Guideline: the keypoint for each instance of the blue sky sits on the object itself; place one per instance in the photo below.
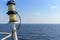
(33, 11)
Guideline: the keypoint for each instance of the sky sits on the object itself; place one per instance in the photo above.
(33, 11)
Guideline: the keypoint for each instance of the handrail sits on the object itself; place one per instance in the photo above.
(4, 33)
(6, 37)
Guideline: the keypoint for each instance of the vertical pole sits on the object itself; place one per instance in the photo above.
(14, 32)
(12, 18)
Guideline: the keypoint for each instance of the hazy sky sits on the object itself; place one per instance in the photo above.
(33, 11)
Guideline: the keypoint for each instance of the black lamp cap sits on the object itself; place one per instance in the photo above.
(11, 2)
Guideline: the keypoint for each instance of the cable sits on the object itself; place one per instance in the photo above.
(19, 22)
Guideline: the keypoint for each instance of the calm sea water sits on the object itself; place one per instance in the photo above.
(35, 31)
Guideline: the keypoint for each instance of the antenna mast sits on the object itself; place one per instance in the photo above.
(12, 18)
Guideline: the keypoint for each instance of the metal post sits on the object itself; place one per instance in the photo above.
(14, 32)
(12, 18)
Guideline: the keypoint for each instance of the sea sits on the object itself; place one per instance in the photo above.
(34, 31)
